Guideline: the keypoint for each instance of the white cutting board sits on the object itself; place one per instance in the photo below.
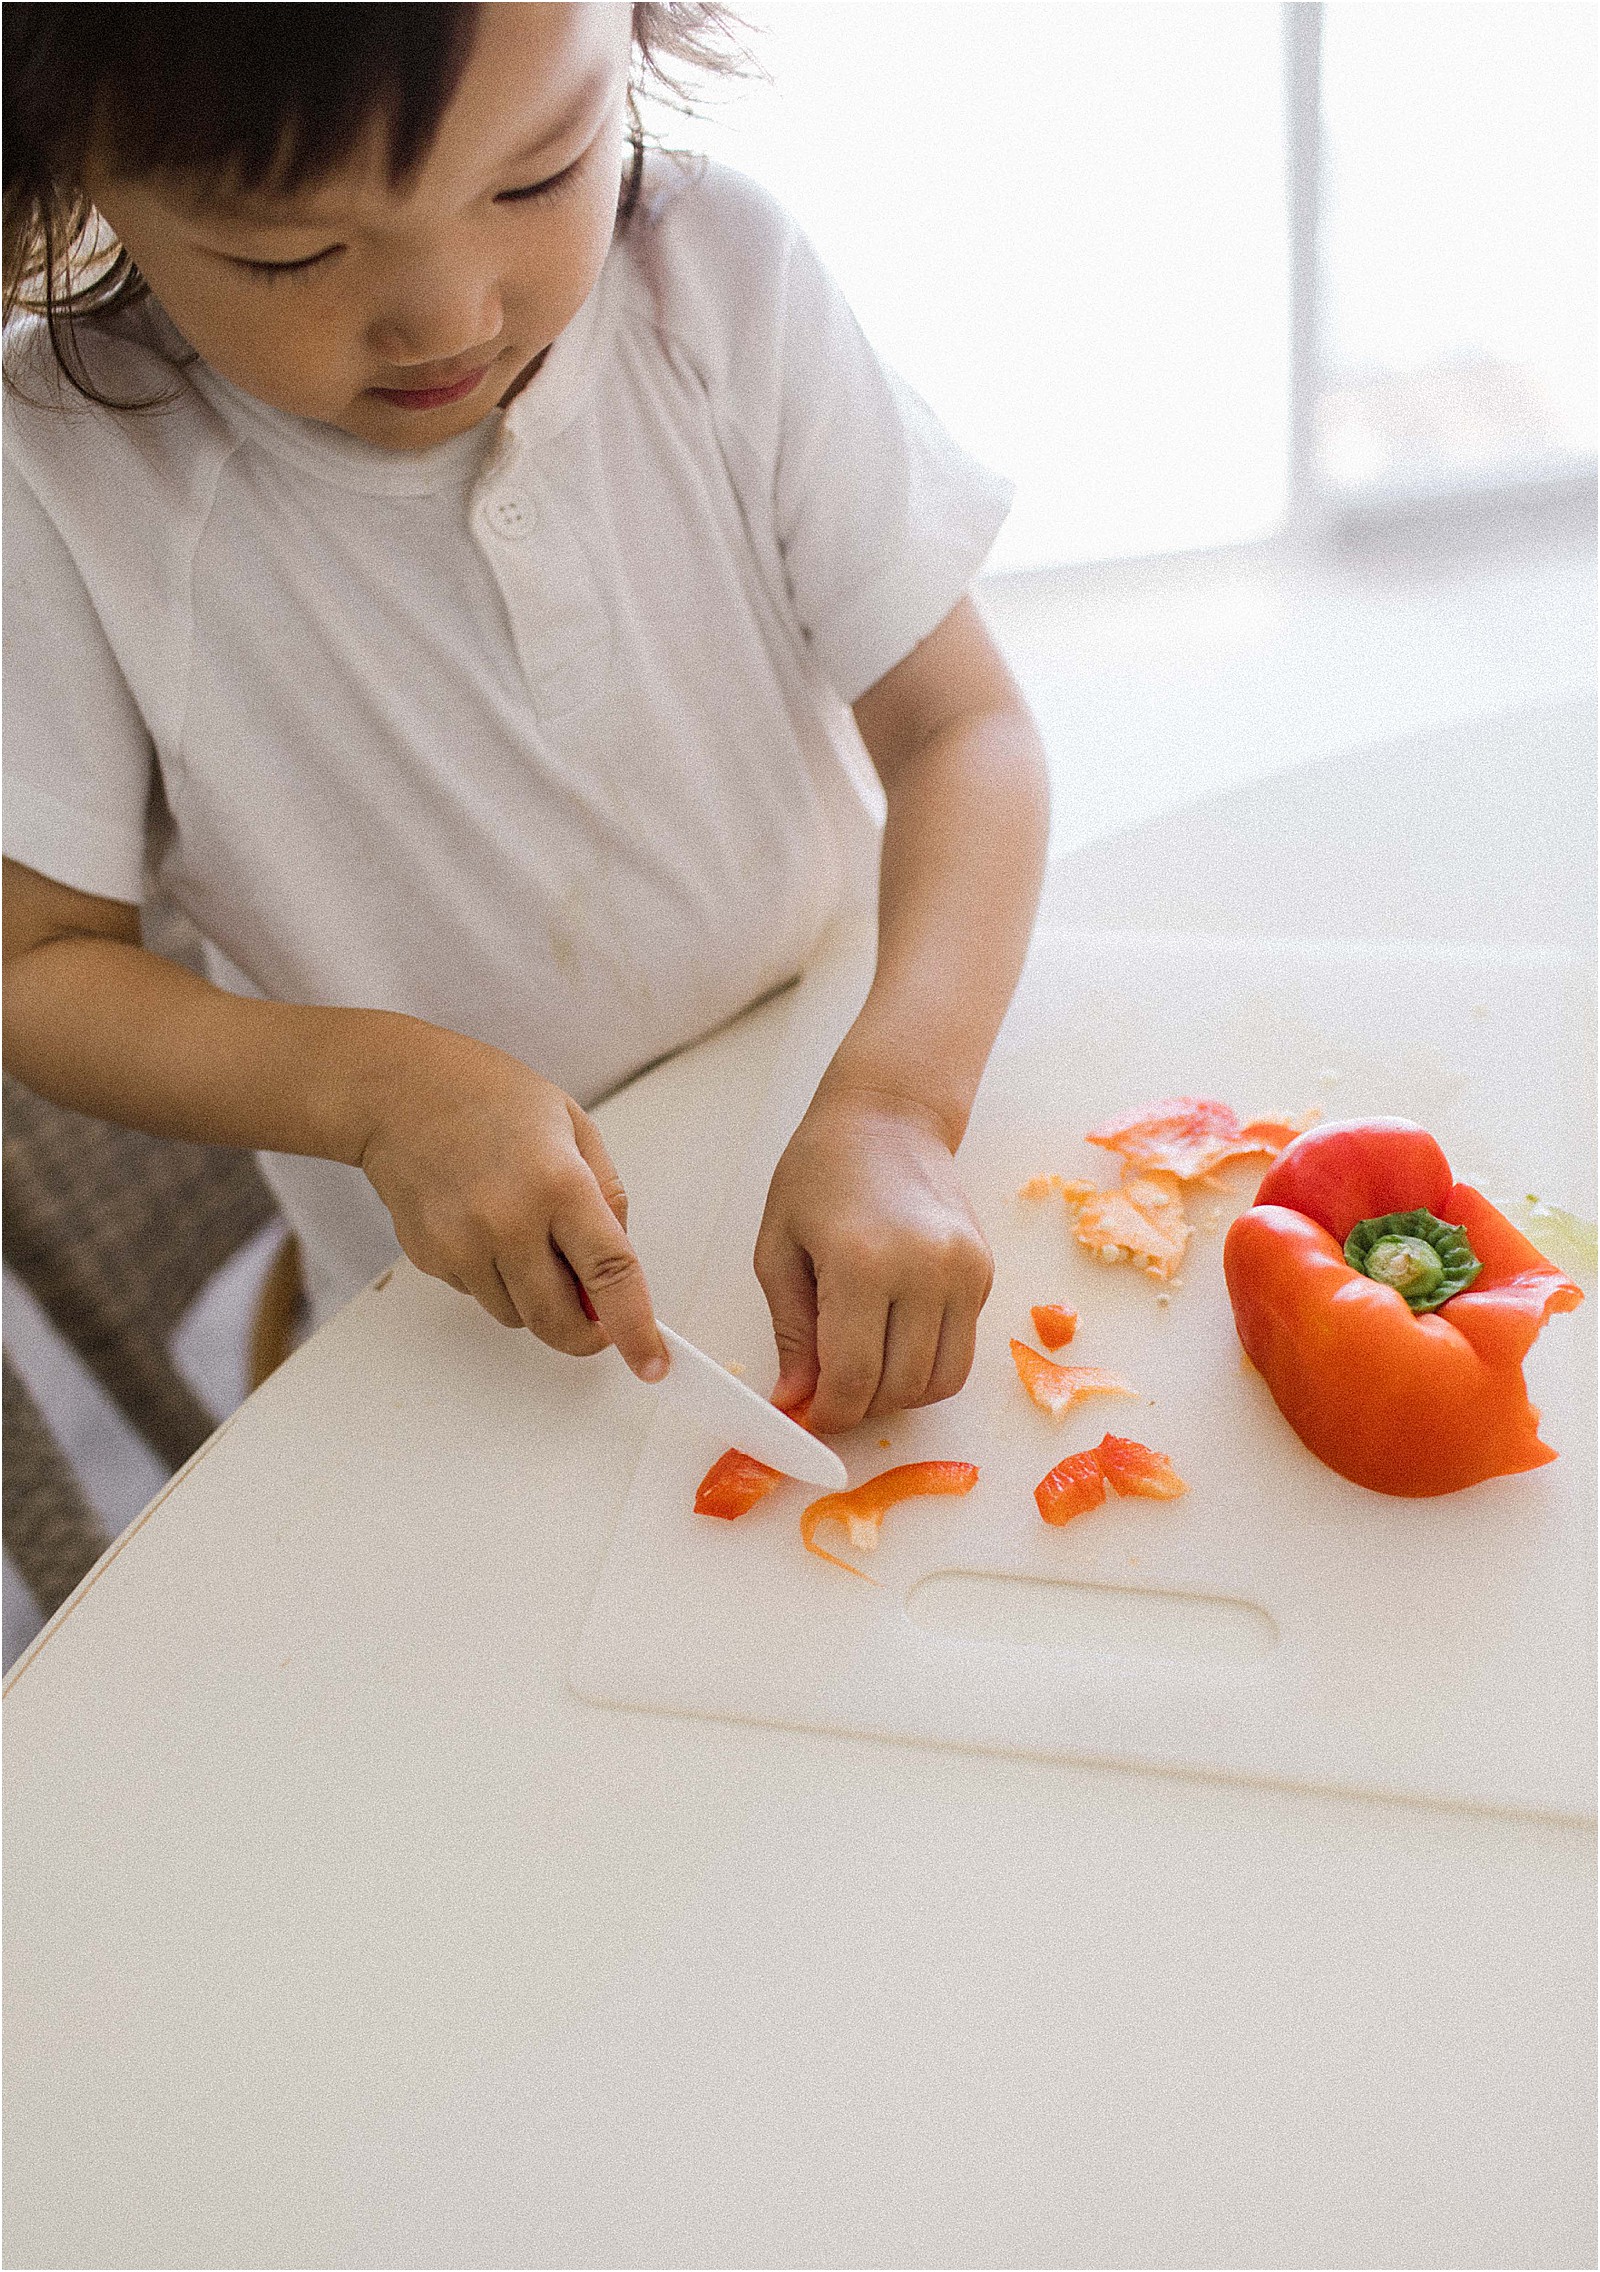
(1276, 1623)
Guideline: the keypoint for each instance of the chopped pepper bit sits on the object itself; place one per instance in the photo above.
(862, 1509)
(1054, 1325)
(1136, 1471)
(1076, 1484)
(1055, 1389)
(732, 1485)
(1161, 1148)
(1055, 1187)
(1190, 1137)
(1139, 1220)
(1072, 1487)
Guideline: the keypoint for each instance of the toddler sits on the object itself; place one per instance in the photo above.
(461, 561)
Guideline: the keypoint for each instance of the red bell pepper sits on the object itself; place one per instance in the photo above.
(1388, 1309)
(732, 1485)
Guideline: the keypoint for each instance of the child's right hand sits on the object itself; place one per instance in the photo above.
(499, 1184)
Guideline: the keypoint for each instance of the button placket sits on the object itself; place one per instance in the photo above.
(558, 619)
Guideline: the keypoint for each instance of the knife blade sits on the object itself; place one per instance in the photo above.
(707, 1393)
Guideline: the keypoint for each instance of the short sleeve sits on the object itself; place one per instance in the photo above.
(882, 519)
(79, 761)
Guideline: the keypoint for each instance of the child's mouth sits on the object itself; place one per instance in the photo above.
(432, 398)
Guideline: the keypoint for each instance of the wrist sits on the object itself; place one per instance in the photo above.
(366, 1060)
(886, 1082)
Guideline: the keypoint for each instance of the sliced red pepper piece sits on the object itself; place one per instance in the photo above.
(732, 1485)
(1057, 1388)
(1136, 1472)
(1076, 1484)
(1411, 1403)
(1188, 1137)
(1071, 1488)
(1054, 1325)
(862, 1510)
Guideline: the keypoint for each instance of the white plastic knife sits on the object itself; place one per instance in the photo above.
(707, 1393)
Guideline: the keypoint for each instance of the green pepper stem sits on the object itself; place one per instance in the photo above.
(1427, 1262)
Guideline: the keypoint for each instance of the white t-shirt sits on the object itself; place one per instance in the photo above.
(543, 734)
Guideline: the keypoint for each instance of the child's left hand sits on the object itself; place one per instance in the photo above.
(871, 1260)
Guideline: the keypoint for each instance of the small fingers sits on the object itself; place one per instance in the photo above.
(784, 1271)
(487, 1287)
(588, 1236)
(472, 1275)
(968, 1284)
(958, 1342)
(599, 1163)
(851, 1332)
(911, 1348)
(520, 1280)
(883, 1347)
(549, 1301)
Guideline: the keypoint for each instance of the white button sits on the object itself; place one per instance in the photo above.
(512, 516)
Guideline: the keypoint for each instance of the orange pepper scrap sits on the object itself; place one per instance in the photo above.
(1057, 1388)
(1071, 1488)
(1055, 1186)
(732, 1485)
(1140, 1220)
(1076, 1484)
(1054, 1325)
(1161, 1147)
(1136, 1472)
(862, 1510)
(1190, 1137)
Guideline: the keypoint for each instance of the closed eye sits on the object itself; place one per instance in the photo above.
(288, 267)
(547, 188)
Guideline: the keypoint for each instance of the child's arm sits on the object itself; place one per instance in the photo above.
(495, 1179)
(872, 1263)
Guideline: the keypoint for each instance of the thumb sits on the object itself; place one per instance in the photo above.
(785, 1274)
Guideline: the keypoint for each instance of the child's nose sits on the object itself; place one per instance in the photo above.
(438, 319)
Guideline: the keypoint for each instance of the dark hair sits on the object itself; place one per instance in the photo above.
(252, 95)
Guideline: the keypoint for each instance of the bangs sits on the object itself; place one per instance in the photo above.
(257, 98)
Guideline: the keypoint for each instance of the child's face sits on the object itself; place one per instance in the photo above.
(405, 316)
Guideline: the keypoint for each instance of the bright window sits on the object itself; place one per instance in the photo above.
(1458, 232)
(1066, 222)
(1065, 226)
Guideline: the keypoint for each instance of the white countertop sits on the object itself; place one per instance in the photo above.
(339, 1931)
